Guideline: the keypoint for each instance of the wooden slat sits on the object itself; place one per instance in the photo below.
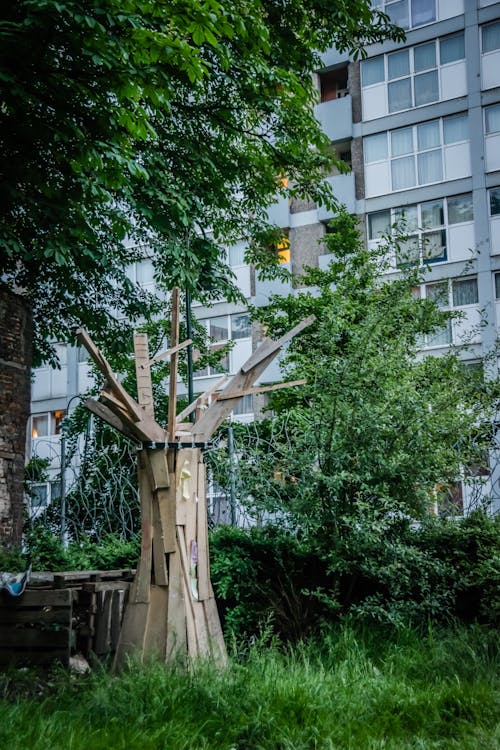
(261, 389)
(168, 353)
(117, 606)
(163, 496)
(38, 615)
(155, 643)
(201, 399)
(159, 551)
(202, 524)
(140, 587)
(103, 623)
(143, 373)
(105, 586)
(269, 346)
(144, 430)
(103, 412)
(176, 618)
(133, 632)
(39, 598)
(192, 637)
(216, 638)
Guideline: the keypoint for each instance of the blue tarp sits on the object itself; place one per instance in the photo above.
(14, 583)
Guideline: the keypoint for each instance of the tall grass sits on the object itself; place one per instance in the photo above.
(350, 691)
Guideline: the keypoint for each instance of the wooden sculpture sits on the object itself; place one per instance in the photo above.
(171, 610)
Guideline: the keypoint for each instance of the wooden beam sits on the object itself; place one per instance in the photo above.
(169, 352)
(143, 373)
(260, 389)
(174, 359)
(102, 411)
(145, 430)
(269, 346)
(199, 400)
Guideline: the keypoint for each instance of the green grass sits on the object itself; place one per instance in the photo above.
(354, 691)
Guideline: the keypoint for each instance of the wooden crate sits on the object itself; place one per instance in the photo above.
(36, 628)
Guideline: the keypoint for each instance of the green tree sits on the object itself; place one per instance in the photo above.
(378, 428)
(135, 123)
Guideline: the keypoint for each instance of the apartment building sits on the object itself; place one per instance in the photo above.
(419, 124)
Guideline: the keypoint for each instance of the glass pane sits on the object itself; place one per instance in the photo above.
(455, 129)
(434, 245)
(403, 172)
(426, 88)
(218, 328)
(423, 11)
(452, 48)
(438, 293)
(428, 135)
(408, 251)
(398, 64)
(375, 147)
(399, 95)
(465, 292)
(432, 214)
(497, 286)
(495, 202)
(406, 218)
(460, 209)
(244, 405)
(237, 254)
(398, 13)
(240, 326)
(40, 426)
(145, 272)
(39, 495)
(378, 223)
(430, 167)
(441, 336)
(493, 119)
(372, 71)
(424, 57)
(491, 37)
(401, 142)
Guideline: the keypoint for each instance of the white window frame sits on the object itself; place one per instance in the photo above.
(448, 306)
(212, 371)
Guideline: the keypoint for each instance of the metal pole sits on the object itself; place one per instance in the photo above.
(232, 477)
(189, 329)
(63, 487)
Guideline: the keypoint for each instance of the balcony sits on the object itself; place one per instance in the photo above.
(279, 213)
(343, 189)
(335, 118)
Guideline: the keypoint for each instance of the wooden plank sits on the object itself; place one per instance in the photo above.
(269, 346)
(202, 535)
(132, 633)
(155, 643)
(159, 551)
(168, 353)
(38, 615)
(192, 639)
(106, 586)
(261, 389)
(103, 412)
(117, 606)
(103, 623)
(143, 373)
(145, 430)
(140, 587)
(202, 635)
(164, 496)
(176, 618)
(200, 399)
(40, 598)
(216, 637)
(12, 637)
(174, 361)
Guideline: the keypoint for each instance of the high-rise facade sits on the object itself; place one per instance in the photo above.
(419, 124)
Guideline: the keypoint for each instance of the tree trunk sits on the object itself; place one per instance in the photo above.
(15, 381)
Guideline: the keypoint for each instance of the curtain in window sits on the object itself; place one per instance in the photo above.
(491, 37)
(451, 49)
(398, 64)
(399, 95)
(375, 147)
(438, 293)
(403, 173)
(372, 71)
(465, 292)
(428, 135)
(423, 11)
(401, 142)
(378, 223)
(493, 119)
(426, 88)
(495, 202)
(398, 13)
(434, 245)
(460, 209)
(430, 168)
(424, 57)
(432, 214)
(455, 129)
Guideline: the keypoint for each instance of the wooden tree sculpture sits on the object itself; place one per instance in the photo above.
(171, 610)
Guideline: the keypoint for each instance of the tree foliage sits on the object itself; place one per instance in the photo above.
(166, 124)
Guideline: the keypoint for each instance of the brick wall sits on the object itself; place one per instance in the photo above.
(15, 365)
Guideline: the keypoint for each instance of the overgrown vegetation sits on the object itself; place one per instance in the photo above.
(355, 690)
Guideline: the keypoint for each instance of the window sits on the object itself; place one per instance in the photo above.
(425, 227)
(244, 406)
(464, 292)
(416, 152)
(495, 202)
(236, 254)
(492, 119)
(283, 249)
(222, 329)
(333, 84)
(412, 74)
(45, 425)
(497, 286)
(490, 36)
(240, 326)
